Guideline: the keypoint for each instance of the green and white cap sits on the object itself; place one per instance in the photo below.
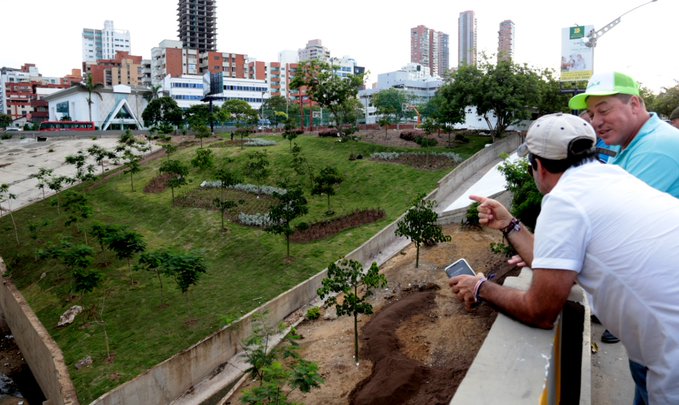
(605, 84)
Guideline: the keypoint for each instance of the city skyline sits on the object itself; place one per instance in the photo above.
(378, 38)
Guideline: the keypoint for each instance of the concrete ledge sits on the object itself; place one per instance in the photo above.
(41, 352)
(524, 365)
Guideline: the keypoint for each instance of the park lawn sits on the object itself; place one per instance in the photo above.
(246, 266)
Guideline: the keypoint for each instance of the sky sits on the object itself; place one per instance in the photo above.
(375, 33)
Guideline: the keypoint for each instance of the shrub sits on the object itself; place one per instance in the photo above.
(328, 133)
(259, 142)
(313, 313)
(425, 142)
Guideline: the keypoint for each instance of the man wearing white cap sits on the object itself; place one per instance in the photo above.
(604, 228)
(648, 146)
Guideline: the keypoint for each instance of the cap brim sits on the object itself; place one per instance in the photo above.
(578, 102)
(522, 150)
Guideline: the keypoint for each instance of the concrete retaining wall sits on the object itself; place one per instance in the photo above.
(39, 349)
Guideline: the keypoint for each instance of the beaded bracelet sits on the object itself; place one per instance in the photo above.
(477, 289)
(514, 225)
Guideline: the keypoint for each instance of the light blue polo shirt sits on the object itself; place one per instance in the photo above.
(653, 156)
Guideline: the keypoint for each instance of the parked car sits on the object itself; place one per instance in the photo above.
(12, 129)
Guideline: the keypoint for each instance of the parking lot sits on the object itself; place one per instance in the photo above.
(22, 158)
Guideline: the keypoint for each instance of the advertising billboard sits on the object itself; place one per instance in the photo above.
(577, 59)
(213, 83)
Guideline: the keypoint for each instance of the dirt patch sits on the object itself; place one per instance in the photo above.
(158, 184)
(424, 161)
(419, 343)
(326, 229)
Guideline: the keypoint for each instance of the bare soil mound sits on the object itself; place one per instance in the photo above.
(419, 343)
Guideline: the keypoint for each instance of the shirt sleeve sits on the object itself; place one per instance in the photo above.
(655, 169)
(561, 235)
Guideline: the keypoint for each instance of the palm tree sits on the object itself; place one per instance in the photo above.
(91, 88)
(154, 92)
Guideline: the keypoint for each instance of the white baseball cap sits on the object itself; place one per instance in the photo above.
(550, 135)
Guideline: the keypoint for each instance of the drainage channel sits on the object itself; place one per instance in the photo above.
(17, 384)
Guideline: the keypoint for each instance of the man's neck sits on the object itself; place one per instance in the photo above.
(636, 131)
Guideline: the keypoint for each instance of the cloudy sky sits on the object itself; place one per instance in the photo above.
(375, 33)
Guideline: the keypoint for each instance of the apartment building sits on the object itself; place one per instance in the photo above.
(505, 44)
(430, 48)
(105, 43)
(467, 41)
(123, 69)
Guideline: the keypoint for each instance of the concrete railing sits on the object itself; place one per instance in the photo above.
(40, 351)
(524, 365)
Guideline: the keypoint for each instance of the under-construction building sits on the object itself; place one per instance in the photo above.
(198, 24)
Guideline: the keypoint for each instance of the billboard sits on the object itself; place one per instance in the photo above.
(577, 59)
(213, 83)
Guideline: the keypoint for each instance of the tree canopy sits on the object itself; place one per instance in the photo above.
(506, 91)
(163, 111)
(329, 90)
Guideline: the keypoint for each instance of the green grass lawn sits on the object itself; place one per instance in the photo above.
(246, 266)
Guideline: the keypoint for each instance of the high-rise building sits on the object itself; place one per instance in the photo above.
(505, 44)
(430, 48)
(314, 51)
(466, 49)
(103, 44)
(198, 24)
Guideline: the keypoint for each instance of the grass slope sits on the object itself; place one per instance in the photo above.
(246, 266)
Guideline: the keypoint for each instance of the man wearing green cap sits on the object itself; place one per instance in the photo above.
(648, 147)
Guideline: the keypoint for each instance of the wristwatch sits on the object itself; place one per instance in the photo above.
(514, 226)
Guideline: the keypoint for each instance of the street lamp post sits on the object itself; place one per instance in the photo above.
(593, 36)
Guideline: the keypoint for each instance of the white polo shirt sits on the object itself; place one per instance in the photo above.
(622, 237)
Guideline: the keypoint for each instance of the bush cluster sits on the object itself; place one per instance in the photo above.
(418, 137)
(328, 133)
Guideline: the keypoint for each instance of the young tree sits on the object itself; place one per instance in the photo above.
(242, 114)
(100, 155)
(226, 179)
(83, 172)
(289, 206)
(103, 233)
(346, 277)
(204, 159)
(126, 244)
(325, 183)
(301, 165)
(157, 262)
(186, 269)
(419, 224)
(132, 167)
(56, 184)
(257, 166)
(267, 365)
(78, 209)
(178, 172)
(43, 176)
(201, 131)
(6, 197)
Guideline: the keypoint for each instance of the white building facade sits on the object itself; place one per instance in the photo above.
(116, 107)
(103, 44)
